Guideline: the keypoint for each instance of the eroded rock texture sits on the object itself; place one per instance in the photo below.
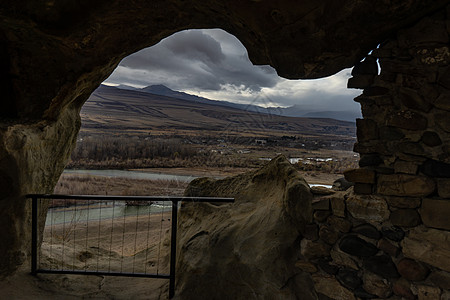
(247, 249)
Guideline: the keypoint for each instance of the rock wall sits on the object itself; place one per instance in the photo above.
(247, 249)
(388, 237)
(32, 157)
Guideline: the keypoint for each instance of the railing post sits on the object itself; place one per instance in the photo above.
(173, 248)
(34, 233)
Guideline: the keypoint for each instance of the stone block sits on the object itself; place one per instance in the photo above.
(321, 190)
(435, 169)
(349, 278)
(393, 233)
(411, 99)
(405, 185)
(407, 119)
(361, 293)
(425, 292)
(341, 184)
(325, 266)
(363, 100)
(360, 175)
(331, 288)
(403, 202)
(367, 230)
(338, 206)
(443, 121)
(428, 245)
(363, 188)
(360, 81)
(429, 91)
(328, 234)
(367, 160)
(382, 265)
(366, 130)
(405, 218)
(400, 67)
(436, 213)
(310, 249)
(391, 133)
(388, 248)
(384, 170)
(445, 295)
(409, 148)
(321, 215)
(413, 158)
(339, 224)
(412, 270)
(443, 187)
(377, 285)
(371, 147)
(442, 101)
(405, 167)
(444, 78)
(368, 208)
(343, 259)
(375, 91)
(431, 139)
(321, 204)
(402, 288)
(441, 279)
(356, 246)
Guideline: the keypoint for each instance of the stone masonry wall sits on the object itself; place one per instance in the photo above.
(389, 236)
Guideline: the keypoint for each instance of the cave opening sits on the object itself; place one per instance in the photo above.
(133, 127)
(196, 101)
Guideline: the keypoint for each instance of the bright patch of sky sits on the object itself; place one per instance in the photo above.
(214, 64)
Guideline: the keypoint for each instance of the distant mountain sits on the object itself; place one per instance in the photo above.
(293, 111)
(127, 87)
(163, 90)
(298, 111)
(131, 110)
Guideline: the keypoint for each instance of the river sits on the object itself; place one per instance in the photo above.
(111, 209)
(103, 210)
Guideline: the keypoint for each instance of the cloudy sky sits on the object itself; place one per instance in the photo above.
(214, 64)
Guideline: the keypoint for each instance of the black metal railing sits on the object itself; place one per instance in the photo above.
(69, 204)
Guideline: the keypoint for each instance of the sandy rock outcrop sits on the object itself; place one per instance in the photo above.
(246, 249)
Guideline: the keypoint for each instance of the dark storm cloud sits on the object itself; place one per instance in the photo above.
(215, 65)
(195, 60)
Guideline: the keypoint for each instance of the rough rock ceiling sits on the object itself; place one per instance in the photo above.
(56, 52)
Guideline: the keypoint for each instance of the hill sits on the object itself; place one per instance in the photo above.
(296, 110)
(115, 109)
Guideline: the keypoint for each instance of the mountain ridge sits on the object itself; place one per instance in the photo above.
(292, 111)
(133, 110)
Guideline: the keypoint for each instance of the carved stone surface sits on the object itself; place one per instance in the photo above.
(429, 246)
(255, 237)
(405, 185)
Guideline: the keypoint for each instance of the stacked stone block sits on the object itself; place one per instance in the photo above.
(388, 237)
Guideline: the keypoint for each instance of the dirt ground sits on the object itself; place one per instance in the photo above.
(71, 248)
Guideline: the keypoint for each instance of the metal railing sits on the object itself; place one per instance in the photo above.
(106, 202)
